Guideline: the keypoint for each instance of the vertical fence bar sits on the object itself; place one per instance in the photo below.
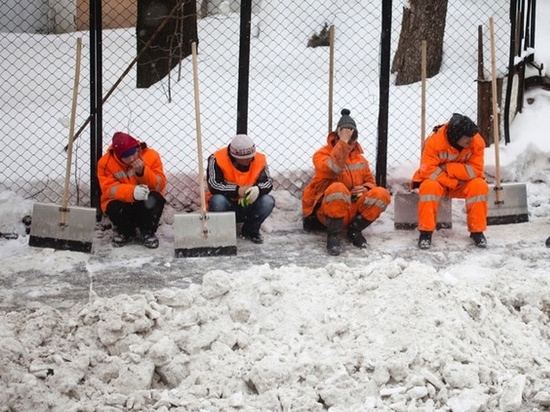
(511, 69)
(96, 93)
(244, 67)
(385, 46)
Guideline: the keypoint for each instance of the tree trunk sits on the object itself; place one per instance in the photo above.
(204, 9)
(166, 50)
(424, 20)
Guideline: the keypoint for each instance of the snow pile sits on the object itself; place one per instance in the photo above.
(390, 335)
(10, 216)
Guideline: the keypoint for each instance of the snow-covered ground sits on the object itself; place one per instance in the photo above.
(283, 326)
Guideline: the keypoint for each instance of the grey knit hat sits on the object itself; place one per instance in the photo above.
(346, 120)
(242, 147)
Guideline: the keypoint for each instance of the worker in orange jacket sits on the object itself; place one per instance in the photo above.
(132, 182)
(239, 181)
(452, 165)
(342, 193)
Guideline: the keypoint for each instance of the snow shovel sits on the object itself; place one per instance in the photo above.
(63, 227)
(203, 234)
(507, 202)
(406, 204)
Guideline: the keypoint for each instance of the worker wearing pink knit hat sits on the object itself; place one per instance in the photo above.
(132, 182)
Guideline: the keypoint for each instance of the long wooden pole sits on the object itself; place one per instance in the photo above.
(65, 200)
(498, 188)
(423, 98)
(199, 141)
(330, 76)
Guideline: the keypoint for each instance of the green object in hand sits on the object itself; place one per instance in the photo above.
(243, 202)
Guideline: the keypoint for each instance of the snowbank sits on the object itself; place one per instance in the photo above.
(389, 336)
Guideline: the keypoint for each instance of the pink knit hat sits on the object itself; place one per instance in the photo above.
(124, 145)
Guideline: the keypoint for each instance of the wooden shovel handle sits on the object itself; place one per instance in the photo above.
(423, 98)
(65, 199)
(198, 127)
(495, 110)
(330, 76)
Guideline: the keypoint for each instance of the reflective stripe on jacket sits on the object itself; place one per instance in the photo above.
(117, 181)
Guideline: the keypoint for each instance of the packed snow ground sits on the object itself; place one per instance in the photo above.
(283, 326)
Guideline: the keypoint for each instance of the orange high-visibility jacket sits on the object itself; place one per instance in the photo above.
(336, 162)
(117, 181)
(463, 165)
(233, 177)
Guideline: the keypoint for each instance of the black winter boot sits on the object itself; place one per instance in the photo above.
(334, 228)
(425, 240)
(356, 226)
(479, 239)
(312, 224)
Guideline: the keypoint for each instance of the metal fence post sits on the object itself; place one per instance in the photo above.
(244, 63)
(385, 46)
(96, 93)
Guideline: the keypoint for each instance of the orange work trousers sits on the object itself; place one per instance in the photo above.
(337, 203)
(475, 192)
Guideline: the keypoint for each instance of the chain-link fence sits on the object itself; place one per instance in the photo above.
(288, 87)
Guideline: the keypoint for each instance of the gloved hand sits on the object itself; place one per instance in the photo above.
(250, 196)
(141, 192)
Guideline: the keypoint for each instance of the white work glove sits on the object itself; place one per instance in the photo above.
(250, 196)
(141, 192)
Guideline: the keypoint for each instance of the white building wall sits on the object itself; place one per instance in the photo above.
(37, 16)
(24, 16)
(62, 16)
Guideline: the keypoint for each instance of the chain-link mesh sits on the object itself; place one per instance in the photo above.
(288, 94)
